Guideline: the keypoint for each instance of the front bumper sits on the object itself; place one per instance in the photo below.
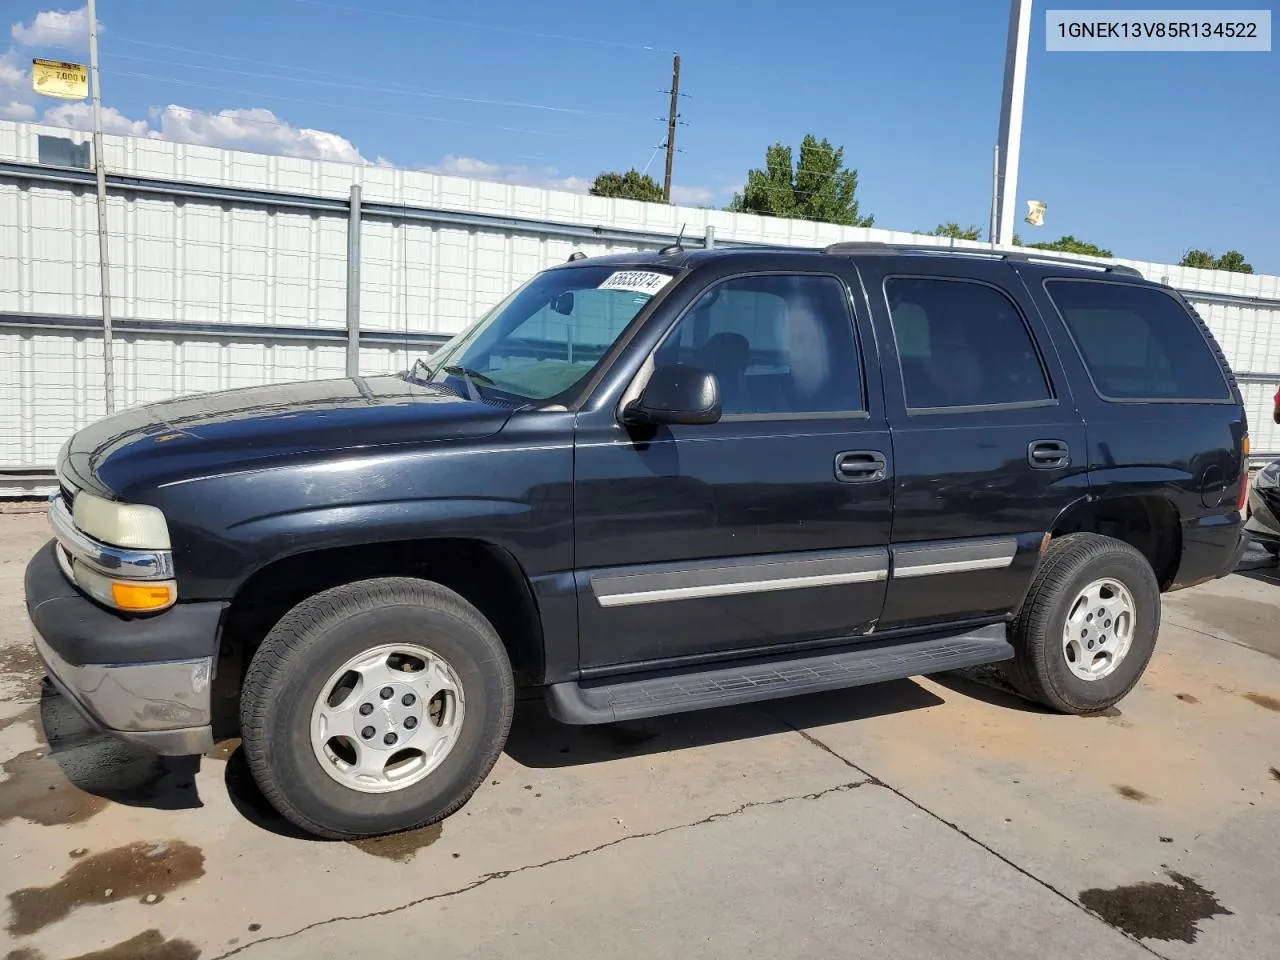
(143, 680)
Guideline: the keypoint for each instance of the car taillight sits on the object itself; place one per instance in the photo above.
(1276, 415)
(1244, 474)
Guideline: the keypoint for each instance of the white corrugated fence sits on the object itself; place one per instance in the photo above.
(230, 269)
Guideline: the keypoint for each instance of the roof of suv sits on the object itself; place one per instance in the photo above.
(678, 258)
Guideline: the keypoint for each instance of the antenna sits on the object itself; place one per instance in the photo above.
(675, 247)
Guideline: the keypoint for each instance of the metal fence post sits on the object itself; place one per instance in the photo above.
(353, 284)
(709, 240)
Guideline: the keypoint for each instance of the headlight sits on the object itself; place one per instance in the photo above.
(1270, 476)
(132, 525)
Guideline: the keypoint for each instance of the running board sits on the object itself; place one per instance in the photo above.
(658, 693)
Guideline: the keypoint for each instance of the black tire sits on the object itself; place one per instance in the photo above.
(1039, 669)
(312, 641)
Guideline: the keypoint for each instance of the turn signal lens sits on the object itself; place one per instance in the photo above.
(141, 596)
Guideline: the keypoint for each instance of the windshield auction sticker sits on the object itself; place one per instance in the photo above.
(636, 281)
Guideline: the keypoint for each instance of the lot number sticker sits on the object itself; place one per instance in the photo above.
(636, 281)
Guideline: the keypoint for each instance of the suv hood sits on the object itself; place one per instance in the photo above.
(233, 429)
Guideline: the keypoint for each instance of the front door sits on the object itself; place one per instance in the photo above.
(988, 445)
(766, 529)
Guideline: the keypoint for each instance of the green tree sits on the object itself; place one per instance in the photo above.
(1202, 259)
(1070, 244)
(632, 185)
(1232, 260)
(954, 231)
(818, 187)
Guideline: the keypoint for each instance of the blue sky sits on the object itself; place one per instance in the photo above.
(1143, 153)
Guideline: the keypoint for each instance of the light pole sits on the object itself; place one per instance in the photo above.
(104, 267)
(1015, 82)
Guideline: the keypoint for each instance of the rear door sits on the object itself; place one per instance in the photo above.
(988, 446)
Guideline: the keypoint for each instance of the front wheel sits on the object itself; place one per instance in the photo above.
(376, 707)
(1088, 626)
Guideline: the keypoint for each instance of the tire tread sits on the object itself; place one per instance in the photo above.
(312, 617)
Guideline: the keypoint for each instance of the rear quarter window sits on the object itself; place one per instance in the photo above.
(1138, 343)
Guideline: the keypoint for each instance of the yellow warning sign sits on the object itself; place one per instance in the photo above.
(53, 78)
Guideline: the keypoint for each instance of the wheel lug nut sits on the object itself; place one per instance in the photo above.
(366, 709)
(368, 732)
(1089, 617)
(386, 693)
(1107, 624)
(410, 722)
(1083, 634)
(389, 739)
(408, 699)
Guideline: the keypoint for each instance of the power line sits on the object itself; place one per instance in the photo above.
(377, 88)
(332, 106)
(498, 28)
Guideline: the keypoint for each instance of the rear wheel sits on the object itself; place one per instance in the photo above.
(1088, 626)
(376, 707)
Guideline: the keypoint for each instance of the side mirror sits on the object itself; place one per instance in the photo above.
(676, 394)
(563, 304)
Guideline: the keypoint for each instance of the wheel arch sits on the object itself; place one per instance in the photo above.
(1148, 522)
(484, 573)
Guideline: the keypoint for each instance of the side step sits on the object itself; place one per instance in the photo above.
(676, 691)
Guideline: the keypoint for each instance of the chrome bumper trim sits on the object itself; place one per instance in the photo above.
(164, 707)
(106, 559)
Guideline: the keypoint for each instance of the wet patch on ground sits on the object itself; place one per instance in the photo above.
(150, 945)
(21, 672)
(1156, 911)
(1264, 701)
(1188, 698)
(36, 789)
(1133, 793)
(146, 871)
(52, 788)
(399, 847)
(30, 715)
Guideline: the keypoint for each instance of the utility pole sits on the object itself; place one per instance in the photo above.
(104, 266)
(672, 117)
(1015, 83)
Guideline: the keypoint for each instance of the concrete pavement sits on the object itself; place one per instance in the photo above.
(933, 817)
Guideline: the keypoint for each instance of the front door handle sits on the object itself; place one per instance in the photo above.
(1048, 454)
(860, 466)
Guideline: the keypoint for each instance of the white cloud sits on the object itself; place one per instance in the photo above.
(79, 116)
(13, 110)
(12, 75)
(257, 130)
(547, 177)
(55, 28)
(691, 196)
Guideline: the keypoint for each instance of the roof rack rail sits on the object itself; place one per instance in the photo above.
(879, 246)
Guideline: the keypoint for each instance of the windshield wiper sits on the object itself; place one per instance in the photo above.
(470, 377)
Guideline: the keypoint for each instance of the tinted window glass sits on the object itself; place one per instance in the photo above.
(1138, 342)
(962, 344)
(777, 344)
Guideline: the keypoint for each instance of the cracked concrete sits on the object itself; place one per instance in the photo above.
(935, 817)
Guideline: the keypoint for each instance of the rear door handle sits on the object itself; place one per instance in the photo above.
(860, 466)
(1048, 454)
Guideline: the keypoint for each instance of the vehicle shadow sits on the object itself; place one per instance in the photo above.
(102, 766)
(1259, 565)
(539, 741)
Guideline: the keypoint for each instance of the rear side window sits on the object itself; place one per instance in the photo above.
(1138, 343)
(962, 344)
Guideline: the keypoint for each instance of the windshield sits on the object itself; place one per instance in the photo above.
(548, 335)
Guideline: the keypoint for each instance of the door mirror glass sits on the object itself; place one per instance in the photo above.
(678, 393)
